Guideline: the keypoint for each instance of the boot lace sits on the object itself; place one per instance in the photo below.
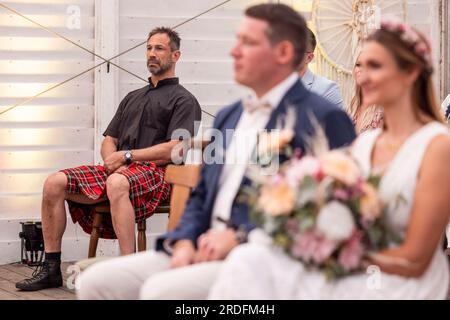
(39, 273)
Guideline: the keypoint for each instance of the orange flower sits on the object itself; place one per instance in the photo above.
(340, 166)
(370, 203)
(276, 200)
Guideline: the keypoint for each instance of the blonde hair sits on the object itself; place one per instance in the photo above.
(356, 101)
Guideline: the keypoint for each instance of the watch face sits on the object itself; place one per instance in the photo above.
(128, 157)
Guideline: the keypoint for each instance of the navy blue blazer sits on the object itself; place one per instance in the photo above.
(197, 215)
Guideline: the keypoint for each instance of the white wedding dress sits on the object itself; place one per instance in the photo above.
(259, 271)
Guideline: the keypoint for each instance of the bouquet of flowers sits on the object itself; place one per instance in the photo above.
(321, 211)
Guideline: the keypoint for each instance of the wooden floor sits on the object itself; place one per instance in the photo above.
(11, 273)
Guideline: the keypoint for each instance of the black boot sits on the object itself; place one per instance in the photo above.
(48, 275)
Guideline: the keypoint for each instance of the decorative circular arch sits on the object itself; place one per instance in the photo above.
(340, 26)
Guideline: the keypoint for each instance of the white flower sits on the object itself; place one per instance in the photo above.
(335, 221)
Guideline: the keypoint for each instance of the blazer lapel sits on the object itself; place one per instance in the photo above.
(296, 93)
(229, 123)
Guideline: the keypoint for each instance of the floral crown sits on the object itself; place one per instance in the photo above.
(410, 36)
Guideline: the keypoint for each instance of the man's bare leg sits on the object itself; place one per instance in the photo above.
(122, 212)
(53, 225)
(53, 212)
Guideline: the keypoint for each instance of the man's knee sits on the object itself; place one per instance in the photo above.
(248, 251)
(158, 288)
(55, 185)
(92, 283)
(190, 282)
(161, 286)
(117, 186)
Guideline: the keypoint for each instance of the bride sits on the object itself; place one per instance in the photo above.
(411, 152)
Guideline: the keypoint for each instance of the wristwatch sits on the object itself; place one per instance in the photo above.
(128, 157)
(241, 236)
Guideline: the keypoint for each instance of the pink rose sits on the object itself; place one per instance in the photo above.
(351, 254)
(306, 166)
(324, 249)
(303, 246)
(341, 194)
(312, 246)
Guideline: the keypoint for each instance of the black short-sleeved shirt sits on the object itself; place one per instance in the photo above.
(148, 116)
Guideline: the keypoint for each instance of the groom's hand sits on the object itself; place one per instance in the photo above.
(215, 245)
(183, 254)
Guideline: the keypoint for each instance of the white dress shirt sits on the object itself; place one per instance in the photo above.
(241, 147)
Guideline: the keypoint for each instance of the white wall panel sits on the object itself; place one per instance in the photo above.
(52, 8)
(35, 161)
(46, 138)
(44, 100)
(50, 45)
(200, 28)
(43, 67)
(48, 116)
(22, 182)
(14, 206)
(179, 8)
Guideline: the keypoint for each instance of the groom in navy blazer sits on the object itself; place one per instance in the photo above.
(197, 215)
(270, 46)
(196, 220)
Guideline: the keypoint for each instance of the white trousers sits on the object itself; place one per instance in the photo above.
(147, 276)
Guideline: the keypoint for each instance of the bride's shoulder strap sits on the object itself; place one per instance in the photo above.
(362, 148)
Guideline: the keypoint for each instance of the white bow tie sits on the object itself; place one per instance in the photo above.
(250, 104)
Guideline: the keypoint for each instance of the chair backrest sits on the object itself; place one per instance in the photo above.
(182, 178)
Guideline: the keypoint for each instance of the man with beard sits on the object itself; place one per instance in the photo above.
(138, 143)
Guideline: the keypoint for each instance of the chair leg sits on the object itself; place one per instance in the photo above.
(93, 242)
(142, 238)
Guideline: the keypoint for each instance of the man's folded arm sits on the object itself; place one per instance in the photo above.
(109, 146)
(159, 154)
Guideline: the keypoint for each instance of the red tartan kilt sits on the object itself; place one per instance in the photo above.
(147, 190)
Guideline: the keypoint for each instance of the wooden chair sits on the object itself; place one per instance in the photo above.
(182, 178)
